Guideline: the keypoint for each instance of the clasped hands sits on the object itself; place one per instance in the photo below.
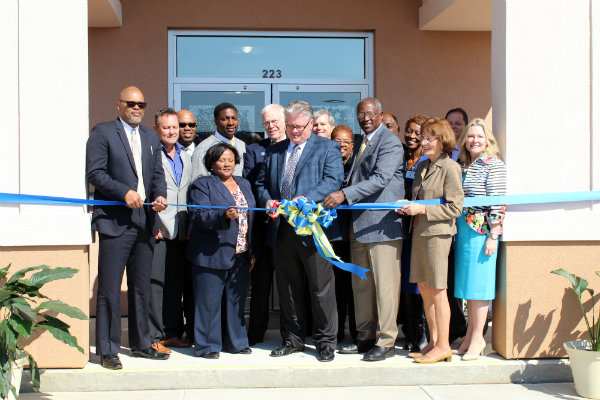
(411, 209)
(133, 200)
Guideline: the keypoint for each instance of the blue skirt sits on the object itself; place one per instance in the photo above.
(475, 273)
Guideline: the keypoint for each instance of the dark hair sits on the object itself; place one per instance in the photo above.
(223, 106)
(215, 152)
(418, 119)
(458, 110)
(163, 112)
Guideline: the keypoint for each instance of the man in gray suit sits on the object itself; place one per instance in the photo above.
(168, 263)
(226, 119)
(375, 235)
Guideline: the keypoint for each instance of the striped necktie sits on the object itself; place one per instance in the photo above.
(288, 175)
(363, 146)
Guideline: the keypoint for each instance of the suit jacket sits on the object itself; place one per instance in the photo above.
(440, 180)
(174, 220)
(198, 168)
(378, 178)
(111, 169)
(319, 172)
(255, 155)
(213, 237)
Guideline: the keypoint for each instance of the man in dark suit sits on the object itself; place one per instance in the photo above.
(375, 235)
(304, 165)
(124, 164)
(273, 120)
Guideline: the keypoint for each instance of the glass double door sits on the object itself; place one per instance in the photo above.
(249, 99)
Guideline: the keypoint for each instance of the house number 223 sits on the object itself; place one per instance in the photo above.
(271, 73)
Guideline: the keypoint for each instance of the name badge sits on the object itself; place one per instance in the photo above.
(410, 174)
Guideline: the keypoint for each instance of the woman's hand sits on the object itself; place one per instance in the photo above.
(413, 209)
(231, 213)
(490, 246)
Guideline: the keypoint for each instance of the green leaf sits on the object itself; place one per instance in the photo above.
(59, 306)
(21, 273)
(578, 284)
(21, 326)
(48, 274)
(5, 294)
(20, 307)
(59, 330)
(35, 373)
(9, 336)
(4, 272)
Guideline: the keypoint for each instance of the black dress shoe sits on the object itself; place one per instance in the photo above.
(148, 353)
(211, 355)
(284, 350)
(111, 361)
(245, 350)
(378, 353)
(362, 346)
(325, 353)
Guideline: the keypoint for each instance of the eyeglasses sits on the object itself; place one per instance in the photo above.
(185, 124)
(132, 104)
(266, 124)
(298, 128)
(343, 141)
(362, 115)
(428, 139)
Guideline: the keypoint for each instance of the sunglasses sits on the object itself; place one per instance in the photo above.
(190, 124)
(132, 104)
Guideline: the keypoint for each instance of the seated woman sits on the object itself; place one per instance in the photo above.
(219, 249)
(432, 229)
(484, 174)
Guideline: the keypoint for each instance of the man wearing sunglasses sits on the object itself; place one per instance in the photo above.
(187, 131)
(124, 164)
(375, 235)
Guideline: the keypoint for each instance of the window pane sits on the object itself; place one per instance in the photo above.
(270, 58)
(248, 104)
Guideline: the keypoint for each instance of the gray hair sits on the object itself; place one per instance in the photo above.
(374, 100)
(323, 111)
(299, 107)
(273, 108)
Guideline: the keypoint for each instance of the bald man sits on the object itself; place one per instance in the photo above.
(187, 131)
(124, 163)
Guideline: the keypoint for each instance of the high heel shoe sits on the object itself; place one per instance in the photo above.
(474, 356)
(447, 356)
(458, 352)
(416, 354)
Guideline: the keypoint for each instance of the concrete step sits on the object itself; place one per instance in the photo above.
(259, 370)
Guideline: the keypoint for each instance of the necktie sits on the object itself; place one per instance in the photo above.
(136, 149)
(232, 142)
(363, 146)
(288, 175)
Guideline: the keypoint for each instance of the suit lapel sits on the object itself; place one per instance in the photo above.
(125, 141)
(167, 167)
(222, 189)
(281, 163)
(308, 148)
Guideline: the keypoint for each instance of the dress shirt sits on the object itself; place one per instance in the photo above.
(128, 128)
(290, 149)
(223, 138)
(176, 163)
(455, 153)
(190, 149)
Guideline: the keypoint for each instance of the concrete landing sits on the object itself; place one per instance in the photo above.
(259, 370)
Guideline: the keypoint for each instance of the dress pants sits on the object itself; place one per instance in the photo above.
(296, 268)
(167, 280)
(261, 281)
(132, 249)
(210, 287)
(343, 292)
(376, 299)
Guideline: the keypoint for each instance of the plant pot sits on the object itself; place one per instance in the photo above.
(585, 365)
(16, 374)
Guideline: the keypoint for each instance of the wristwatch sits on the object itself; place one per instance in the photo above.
(494, 236)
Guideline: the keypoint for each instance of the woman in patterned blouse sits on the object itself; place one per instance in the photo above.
(219, 249)
(484, 174)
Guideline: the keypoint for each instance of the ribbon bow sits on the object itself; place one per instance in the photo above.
(309, 218)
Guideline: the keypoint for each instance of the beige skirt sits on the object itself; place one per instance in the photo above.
(429, 260)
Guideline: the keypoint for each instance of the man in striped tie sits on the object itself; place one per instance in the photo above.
(310, 166)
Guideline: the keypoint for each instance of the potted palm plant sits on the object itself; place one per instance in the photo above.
(24, 310)
(584, 355)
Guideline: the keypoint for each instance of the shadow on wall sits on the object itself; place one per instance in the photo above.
(528, 339)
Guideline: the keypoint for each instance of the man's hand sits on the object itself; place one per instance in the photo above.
(158, 235)
(231, 213)
(334, 199)
(271, 213)
(159, 204)
(133, 199)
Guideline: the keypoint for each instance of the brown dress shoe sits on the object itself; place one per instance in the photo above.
(175, 342)
(160, 348)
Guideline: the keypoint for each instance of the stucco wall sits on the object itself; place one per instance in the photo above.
(415, 71)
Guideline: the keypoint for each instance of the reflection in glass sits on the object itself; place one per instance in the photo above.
(280, 57)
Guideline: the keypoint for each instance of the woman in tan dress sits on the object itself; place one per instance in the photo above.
(433, 226)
